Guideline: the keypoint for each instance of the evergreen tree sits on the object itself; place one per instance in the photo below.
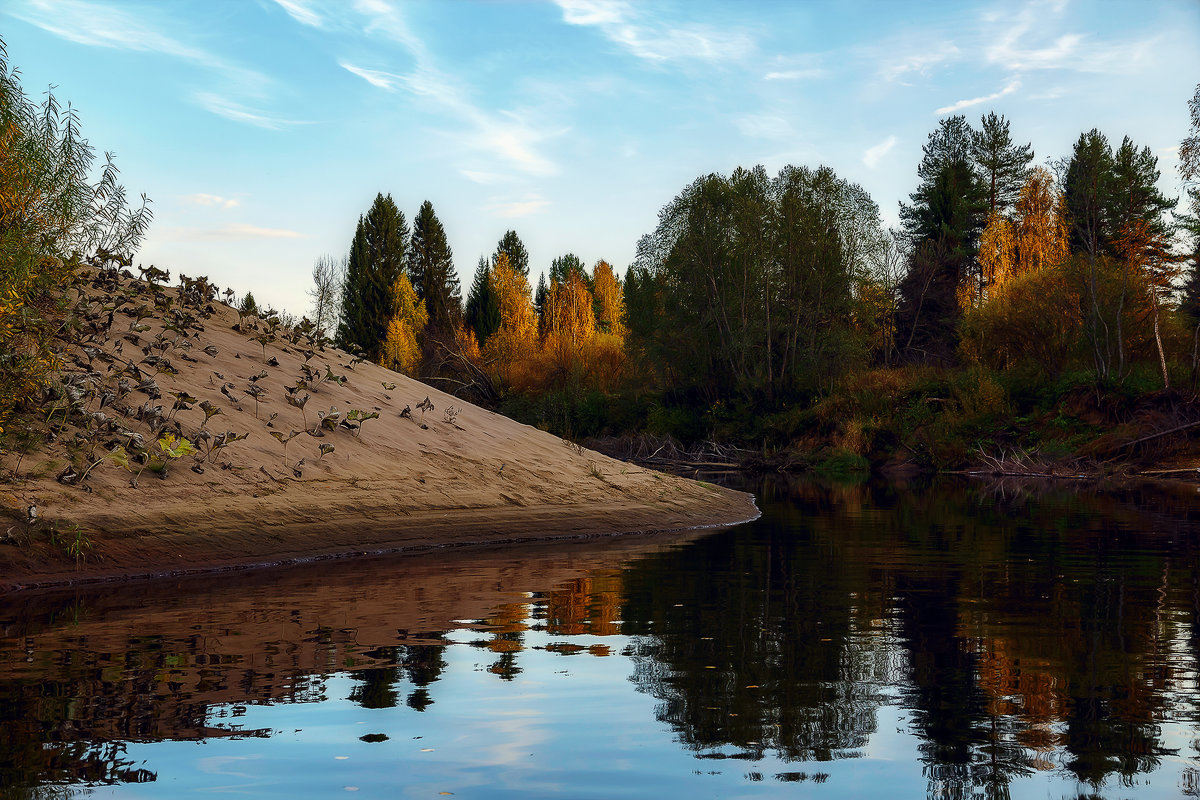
(563, 266)
(431, 269)
(518, 257)
(482, 311)
(1085, 189)
(539, 301)
(377, 256)
(1133, 193)
(944, 222)
(1003, 165)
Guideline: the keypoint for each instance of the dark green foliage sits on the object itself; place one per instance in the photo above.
(746, 286)
(1132, 190)
(1002, 164)
(377, 258)
(563, 266)
(518, 257)
(539, 300)
(1086, 190)
(482, 310)
(249, 306)
(431, 268)
(948, 212)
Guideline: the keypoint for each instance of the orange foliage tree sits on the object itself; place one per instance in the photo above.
(610, 301)
(514, 344)
(568, 320)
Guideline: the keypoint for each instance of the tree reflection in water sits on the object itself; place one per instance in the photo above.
(1023, 631)
(1017, 632)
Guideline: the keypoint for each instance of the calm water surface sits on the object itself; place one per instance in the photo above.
(954, 640)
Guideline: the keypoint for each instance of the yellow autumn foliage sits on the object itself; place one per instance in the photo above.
(401, 351)
(514, 343)
(609, 301)
(569, 320)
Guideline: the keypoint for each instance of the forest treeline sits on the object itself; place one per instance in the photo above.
(776, 310)
(1018, 303)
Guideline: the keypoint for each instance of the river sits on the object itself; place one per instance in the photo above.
(935, 639)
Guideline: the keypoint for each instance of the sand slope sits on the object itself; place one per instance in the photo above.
(452, 474)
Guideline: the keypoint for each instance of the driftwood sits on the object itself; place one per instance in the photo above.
(1167, 432)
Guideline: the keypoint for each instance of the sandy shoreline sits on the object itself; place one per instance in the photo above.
(178, 549)
(411, 479)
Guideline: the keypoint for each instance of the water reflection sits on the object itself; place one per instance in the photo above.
(1006, 637)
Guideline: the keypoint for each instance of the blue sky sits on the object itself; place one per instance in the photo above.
(262, 129)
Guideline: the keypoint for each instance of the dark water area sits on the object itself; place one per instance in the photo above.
(951, 640)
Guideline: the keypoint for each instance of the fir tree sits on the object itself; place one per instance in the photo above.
(1002, 165)
(944, 222)
(377, 256)
(518, 257)
(431, 269)
(482, 311)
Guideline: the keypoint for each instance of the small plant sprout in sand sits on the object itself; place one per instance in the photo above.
(223, 440)
(283, 439)
(425, 405)
(450, 415)
(325, 449)
(209, 410)
(169, 449)
(256, 392)
(388, 386)
(329, 420)
(354, 415)
(299, 402)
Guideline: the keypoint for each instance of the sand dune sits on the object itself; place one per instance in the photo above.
(413, 478)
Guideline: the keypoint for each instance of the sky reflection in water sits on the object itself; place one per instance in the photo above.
(862, 641)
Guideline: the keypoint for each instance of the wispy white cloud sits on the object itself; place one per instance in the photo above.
(210, 200)
(795, 74)
(241, 230)
(764, 126)
(974, 101)
(98, 25)
(1026, 42)
(921, 63)
(375, 77)
(654, 40)
(504, 134)
(303, 12)
(874, 154)
(481, 177)
(517, 208)
(233, 110)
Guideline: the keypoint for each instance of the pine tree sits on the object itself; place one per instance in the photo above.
(518, 257)
(482, 311)
(377, 257)
(1003, 165)
(563, 266)
(944, 222)
(539, 302)
(431, 268)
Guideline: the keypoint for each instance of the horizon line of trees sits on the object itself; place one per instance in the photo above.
(769, 290)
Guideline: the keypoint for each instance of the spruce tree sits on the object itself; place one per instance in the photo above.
(1002, 165)
(563, 266)
(518, 257)
(377, 258)
(482, 311)
(431, 269)
(943, 223)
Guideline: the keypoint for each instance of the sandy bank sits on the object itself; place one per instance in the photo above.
(412, 479)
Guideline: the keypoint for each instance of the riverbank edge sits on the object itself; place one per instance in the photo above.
(144, 553)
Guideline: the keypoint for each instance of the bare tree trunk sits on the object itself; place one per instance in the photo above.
(1162, 359)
